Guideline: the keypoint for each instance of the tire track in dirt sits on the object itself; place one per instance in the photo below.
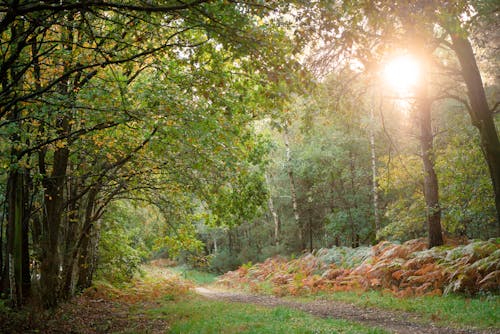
(395, 322)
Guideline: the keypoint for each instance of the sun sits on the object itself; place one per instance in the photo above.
(402, 74)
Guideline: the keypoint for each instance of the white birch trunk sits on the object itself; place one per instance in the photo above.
(374, 171)
(276, 218)
(293, 192)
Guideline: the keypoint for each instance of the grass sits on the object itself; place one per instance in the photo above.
(195, 276)
(197, 316)
(451, 310)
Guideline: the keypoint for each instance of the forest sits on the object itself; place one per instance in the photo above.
(169, 150)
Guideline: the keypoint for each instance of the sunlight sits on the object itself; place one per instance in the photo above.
(402, 74)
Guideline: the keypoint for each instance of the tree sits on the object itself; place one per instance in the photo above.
(72, 85)
(479, 111)
(293, 191)
(356, 30)
(431, 187)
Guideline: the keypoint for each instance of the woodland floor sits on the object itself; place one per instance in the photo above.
(396, 322)
(95, 313)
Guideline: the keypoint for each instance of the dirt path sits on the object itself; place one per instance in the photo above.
(396, 322)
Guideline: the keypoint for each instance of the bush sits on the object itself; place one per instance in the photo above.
(344, 257)
(224, 261)
(118, 260)
(271, 251)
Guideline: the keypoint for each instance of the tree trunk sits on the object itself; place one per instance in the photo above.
(354, 204)
(276, 218)
(293, 192)
(310, 235)
(353, 228)
(71, 242)
(82, 249)
(15, 192)
(87, 260)
(26, 274)
(54, 199)
(374, 172)
(2, 252)
(17, 222)
(431, 190)
(55, 184)
(84, 270)
(481, 115)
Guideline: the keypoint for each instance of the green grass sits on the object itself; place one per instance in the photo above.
(452, 310)
(197, 316)
(198, 277)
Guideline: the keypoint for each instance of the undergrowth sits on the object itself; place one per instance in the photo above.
(195, 276)
(152, 283)
(456, 285)
(406, 270)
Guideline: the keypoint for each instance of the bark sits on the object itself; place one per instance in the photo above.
(15, 218)
(310, 235)
(276, 218)
(84, 270)
(431, 190)
(2, 262)
(230, 240)
(353, 229)
(481, 115)
(293, 192)
(354, 205)
(82, 249)
(54, 204)
(25, 262)
(4, 270)
(88, 256)
(71, 242)
(374, 173)
(95, 241)
(17, 274)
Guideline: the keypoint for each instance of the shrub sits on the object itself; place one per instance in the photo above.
(118, 259)
(224, 261)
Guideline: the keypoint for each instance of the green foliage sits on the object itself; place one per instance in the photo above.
(344, 257)
(14, 320)
(224, 261)
(128, 236)
(466, 189)
(241, 200)
(118, 259)
(196, 276)
(406, 208)
(330, 161)
(466, 194)
(182, 240)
